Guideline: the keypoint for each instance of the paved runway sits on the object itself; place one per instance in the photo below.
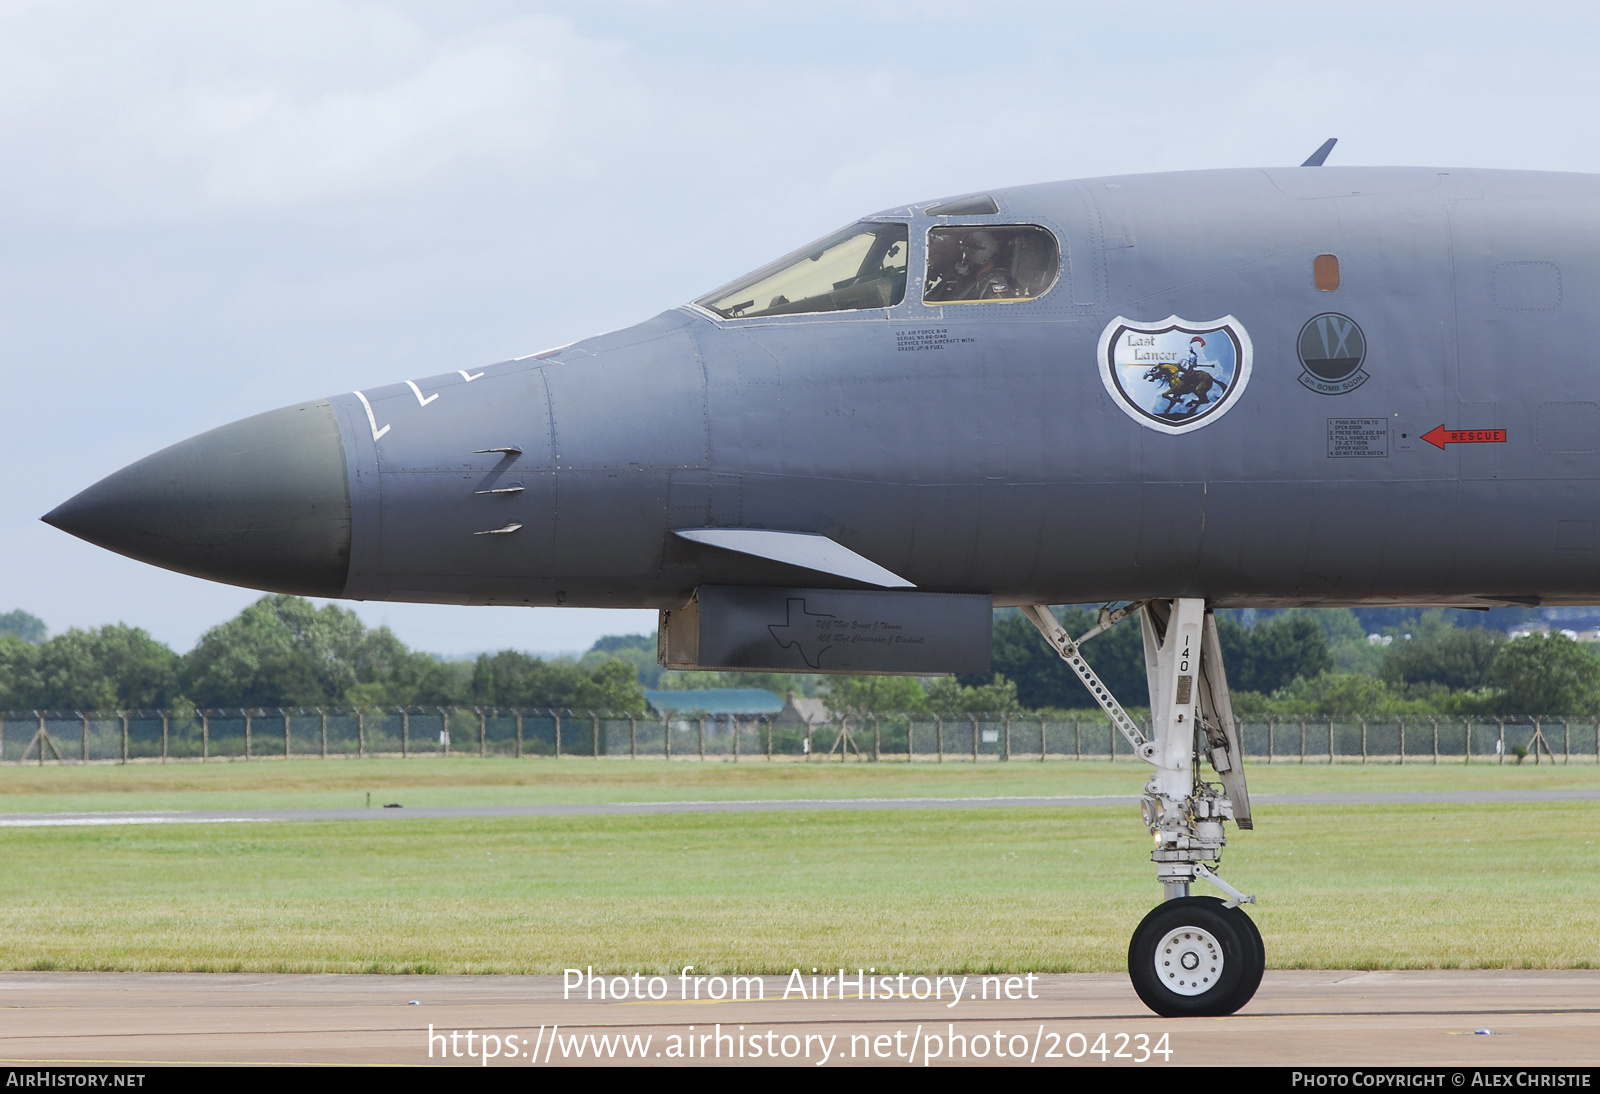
(240, 816)
(1297, 1018)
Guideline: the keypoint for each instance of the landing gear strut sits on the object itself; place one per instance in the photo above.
(1191, 955)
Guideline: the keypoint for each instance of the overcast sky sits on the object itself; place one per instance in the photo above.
(209, 210)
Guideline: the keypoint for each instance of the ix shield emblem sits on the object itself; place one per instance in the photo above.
(1332, 350)
(1175, 376)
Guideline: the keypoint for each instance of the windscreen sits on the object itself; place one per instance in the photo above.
(862, 266)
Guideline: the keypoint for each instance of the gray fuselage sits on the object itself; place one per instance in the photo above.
(975, 447)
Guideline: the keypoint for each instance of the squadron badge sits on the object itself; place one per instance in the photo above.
(1175, 376)
(1332, 349)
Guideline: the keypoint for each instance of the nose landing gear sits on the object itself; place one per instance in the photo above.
(1191, 955)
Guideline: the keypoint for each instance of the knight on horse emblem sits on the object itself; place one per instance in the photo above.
(1175, 375)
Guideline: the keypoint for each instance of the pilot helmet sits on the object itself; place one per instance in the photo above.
(982, 247)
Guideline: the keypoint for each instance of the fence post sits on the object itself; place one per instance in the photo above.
(166, 718)
(39, 738)
(877, 738)
(556, 714)
(702, 724)
(405, 733)
(322, 713)
(2, 736)
(519, 733)
(1271, 725)
(1436, 742)
(974, 738)
(124, 738)
(361, 734)
(1111, 740)
(483, 733)
(911, 725)
(1501, 747)
(247, 720)
(286, 732)
(810, 734)
(666, 734)
(83, 746)
(1041, 738)
(444, 728)
(1566, 741)
(633, 736)
(205, 736)
(1077, 738)
(1466, 725)
(769, 740)
(1302, 741)
(1363, 740)
(596, 730)
(938, 736)
(1402, 742)
(1330, 738)
(733, 719)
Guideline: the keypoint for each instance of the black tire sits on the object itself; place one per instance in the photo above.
(1200, 930)
(1252, 978)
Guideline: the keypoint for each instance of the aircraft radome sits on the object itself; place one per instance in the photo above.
(1178, 392)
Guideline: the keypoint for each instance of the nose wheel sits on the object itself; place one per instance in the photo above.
(1193, 957)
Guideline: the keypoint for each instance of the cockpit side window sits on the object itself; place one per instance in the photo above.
(990, 263)
(862, 266)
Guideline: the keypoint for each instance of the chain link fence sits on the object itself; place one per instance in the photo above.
(233, 734)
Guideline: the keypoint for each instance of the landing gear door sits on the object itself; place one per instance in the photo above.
(1216, 712)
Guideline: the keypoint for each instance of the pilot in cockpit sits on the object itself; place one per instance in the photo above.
(966, 266)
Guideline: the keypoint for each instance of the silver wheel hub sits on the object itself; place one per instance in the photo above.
(1189, 961)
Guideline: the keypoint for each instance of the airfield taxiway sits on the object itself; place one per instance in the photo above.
(770, 805)
(1449, 1018)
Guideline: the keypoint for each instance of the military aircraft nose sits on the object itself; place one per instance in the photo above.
(263, 502)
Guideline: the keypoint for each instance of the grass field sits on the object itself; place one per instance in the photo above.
(279, 784)
(1041, 889)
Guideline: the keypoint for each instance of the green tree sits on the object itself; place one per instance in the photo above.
(947, 695)
(613, 687)
(29, 628)
(876, 694)
(1547, 674)
(1348, 694)
(1457, 658)
(638, 650)
(19, 673)
(285, 651)
(1273, 653)
(114, 667)
(1042, 679)
(510, 679)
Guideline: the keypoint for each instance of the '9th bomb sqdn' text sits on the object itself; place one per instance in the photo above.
(865, 984)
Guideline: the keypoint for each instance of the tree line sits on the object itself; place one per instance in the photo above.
(284, 651)
(1320, 661)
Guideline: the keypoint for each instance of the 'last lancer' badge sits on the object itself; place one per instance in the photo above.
(1175, 375)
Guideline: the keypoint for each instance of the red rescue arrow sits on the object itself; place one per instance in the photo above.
(1441, 436)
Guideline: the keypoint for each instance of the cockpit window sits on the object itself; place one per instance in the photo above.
(1001, 263)
(982, 205)
(863, 266)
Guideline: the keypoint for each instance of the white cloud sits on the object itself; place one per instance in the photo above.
(177, 110)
